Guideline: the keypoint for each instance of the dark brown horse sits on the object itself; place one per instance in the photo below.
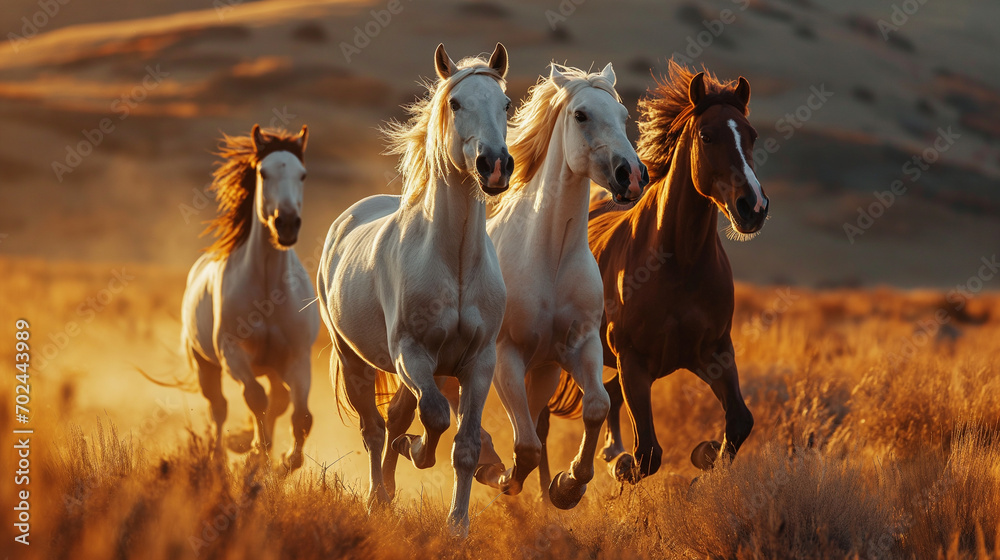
(668, 285)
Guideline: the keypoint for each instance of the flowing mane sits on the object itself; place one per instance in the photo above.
(665, 112)
(234, 183)
(422, 141)
(532, 125)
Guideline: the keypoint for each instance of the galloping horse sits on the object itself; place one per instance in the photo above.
(242, 309)
(570, 130)
(410, 285)
(698, 144)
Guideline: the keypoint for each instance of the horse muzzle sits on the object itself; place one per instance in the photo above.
(286, 226)
(628, 180)
(494, 171)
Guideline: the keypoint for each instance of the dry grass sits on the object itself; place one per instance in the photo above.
(861, 450)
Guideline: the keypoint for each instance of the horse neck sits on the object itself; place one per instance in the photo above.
(559, 202)
(678, 217)
(451, 218)
(267, 265)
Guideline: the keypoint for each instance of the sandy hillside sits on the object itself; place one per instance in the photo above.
(283, 63)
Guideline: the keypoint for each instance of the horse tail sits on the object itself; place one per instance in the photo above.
(187, 383)
(386, 385)
(567, 402)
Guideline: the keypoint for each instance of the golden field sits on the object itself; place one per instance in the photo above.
(877, 409)
(876, 437)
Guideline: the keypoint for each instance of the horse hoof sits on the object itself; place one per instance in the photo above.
(490, 474)
(510, 485)
(378, 500)
(240, 442)
(291, 461)
(459, 528)
(623, 468)
(610, 452)
(565, 492)
(705, 455)
(402, 445)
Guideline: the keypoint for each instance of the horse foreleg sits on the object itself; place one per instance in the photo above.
(647, 453)
(509, 381)
(739, 420)
(475, 385)
(299, 381)
(237, 363)
(568, 488)
(400, 414)
(544, 476)
(277, 404)
(613, 445)
(416, 370)
(490, 465)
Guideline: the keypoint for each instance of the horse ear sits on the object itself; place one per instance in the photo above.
(558, 77)
(696, 91)
(442, 63)
(609, 74)
(743, 92)
(302, 137)
(258, 138)
(499, 60)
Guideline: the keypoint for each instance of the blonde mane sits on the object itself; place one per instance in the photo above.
(532, 125)
(422, 142)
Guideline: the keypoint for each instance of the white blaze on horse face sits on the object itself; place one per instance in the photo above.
(747, 170)
(592, 143)
(279, 185)
(480, 122)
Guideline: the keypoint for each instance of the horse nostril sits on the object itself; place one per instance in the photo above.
(279, 222)
(483, 166)
(622, 173)
(743, 208)
(297, 223)
(645, 174)
(509, 166)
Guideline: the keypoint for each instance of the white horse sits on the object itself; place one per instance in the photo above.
(242, 309)
(410, 284)
(569, 132)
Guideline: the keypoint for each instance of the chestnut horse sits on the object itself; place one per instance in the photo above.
(668, 285)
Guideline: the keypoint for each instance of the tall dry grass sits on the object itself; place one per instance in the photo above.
(872, 441)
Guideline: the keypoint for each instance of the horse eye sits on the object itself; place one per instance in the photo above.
(706, 138)
(506, 108)
(580, 116)
(304, 176)
(455, 105)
